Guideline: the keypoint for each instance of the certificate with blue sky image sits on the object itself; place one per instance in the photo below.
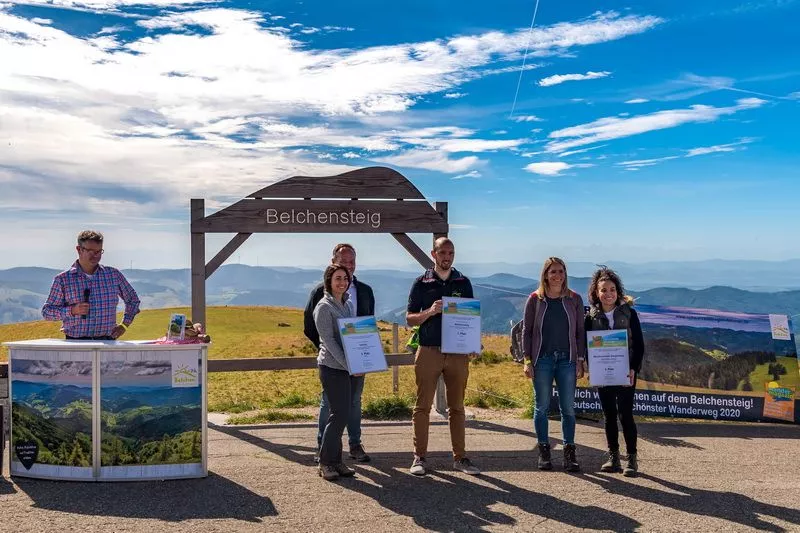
(609, 363)
(461, 325)
(363, 348)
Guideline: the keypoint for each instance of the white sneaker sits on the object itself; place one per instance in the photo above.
(418, 466)
(466, 466)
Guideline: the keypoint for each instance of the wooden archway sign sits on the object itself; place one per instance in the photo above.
(367, 200)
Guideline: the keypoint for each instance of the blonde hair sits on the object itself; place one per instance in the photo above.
(543, 285)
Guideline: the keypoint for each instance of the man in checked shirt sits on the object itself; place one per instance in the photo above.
(85, 297)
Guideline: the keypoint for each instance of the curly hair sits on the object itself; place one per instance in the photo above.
(327, 277)
(606, 274)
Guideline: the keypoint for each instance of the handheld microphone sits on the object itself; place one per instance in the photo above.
(86, 293)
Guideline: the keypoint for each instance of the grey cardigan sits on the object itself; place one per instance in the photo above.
(331, 351)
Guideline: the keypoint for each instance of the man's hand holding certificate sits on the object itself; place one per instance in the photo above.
(609, 363)
(363, 349)
(461, 325)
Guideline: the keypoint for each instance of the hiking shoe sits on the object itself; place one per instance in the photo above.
(613, 464)
(570, 461)
(466, 466)
(344, 471)
(316, 456)
(328, 472)
(544, 462)
(632, 468)
(418, 466)
(357, 453)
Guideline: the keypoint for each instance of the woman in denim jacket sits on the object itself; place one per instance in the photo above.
(554, 347)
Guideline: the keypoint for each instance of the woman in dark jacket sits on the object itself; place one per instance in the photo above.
(611, 309)
(554, 347)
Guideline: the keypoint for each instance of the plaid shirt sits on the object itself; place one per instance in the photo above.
(106, 286)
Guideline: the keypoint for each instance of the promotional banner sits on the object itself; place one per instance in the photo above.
(702, 363)
(51, 430)
(151, 414)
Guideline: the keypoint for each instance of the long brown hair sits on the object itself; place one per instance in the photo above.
(543, 285)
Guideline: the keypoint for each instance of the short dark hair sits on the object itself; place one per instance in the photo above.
(342, 246)
(605, 274)
(327, 277)
(442, 241)
(89, 235)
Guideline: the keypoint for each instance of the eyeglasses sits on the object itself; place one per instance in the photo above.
(90, 251)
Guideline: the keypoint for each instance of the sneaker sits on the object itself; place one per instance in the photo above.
(357, 453)
(344, 471)
(328, 472)
(418, 466)
(466, 466)
(570, 461)
(632, 468)
(544, 462)
(613, 464)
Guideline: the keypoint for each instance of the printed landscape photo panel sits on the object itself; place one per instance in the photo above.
(51, 414)
(145, 418)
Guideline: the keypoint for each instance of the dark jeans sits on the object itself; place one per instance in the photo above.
(339, 386)
(617, 401)
(353, 422)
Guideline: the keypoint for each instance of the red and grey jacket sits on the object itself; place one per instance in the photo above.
(532, 320)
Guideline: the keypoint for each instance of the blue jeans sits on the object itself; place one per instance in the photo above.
(556, 366)
(353, 421)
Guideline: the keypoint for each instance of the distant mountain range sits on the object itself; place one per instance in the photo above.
(24, 290)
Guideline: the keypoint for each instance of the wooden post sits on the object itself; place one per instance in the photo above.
(395, 349)
(198, 250)
(440, 400)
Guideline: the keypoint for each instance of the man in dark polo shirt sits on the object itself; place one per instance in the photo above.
(425, 310)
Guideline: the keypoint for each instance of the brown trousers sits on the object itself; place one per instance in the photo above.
(429, 363)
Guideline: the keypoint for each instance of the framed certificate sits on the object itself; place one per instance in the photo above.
(609, 363)
(363, 348)
(461, 325)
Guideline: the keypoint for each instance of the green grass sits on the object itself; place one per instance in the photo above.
(388, 408)
(760, 376)
(295, 400)
(268, 416)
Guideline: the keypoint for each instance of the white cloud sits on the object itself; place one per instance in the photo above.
(581, 151)
(431, 160)
(552, 168)
(528, 118)
(37, 20)
(637, 101)
(351, 155)
(455, 95)
(499, 132)
(794, 96)
(692, 152)
(471, 174)
(610, 128)
(561, 78)
(168, 111)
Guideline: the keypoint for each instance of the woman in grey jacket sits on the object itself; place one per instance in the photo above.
(554, 347)
(336, 381)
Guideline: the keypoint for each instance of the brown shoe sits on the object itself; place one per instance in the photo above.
(357, 453)
(328, 472)
(570, 461)
(344, 471)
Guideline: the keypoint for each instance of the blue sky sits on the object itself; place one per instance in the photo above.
(641, 131)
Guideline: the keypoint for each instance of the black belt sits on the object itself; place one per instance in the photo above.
(98, 338)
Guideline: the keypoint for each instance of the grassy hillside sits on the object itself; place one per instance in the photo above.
(254, 332)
